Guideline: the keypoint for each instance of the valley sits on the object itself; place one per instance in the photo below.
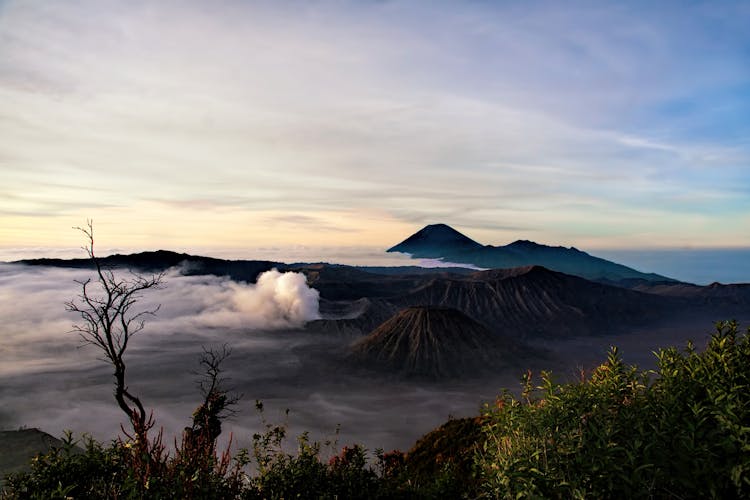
(394, 351)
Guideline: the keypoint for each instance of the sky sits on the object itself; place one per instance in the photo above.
(247, 124)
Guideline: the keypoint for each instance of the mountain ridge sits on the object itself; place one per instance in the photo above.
(440, 241)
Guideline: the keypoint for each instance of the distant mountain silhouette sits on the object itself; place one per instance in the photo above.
(722, 298)
(433, 240)
(533, 301)
(161, 260)
(441, 241)
(525, 302)
(434, 342)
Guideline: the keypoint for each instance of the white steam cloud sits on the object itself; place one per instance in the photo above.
(34, 320)
(277, 301)
(48, 381)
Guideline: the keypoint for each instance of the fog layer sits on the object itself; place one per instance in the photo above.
(49, 380)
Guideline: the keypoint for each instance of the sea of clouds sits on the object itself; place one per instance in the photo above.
(51, 380)
(35, 330)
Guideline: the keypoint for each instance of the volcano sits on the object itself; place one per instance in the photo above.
(434, 342)
(440, 241)
(533, 301)
(435, 240)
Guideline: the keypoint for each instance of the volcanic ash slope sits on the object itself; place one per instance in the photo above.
(434, 342)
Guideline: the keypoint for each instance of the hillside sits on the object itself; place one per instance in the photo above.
(527, 302)
(719, 297)
(161, 260)
(18, 447)
(440, 241)
(434, 239)
(677, 432)
(434, 342)
(533, 301)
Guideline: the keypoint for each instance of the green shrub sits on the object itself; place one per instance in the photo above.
(57, 473)
(306, 474)
(129, 469)
(119, 470)
(681, 431)
(442, 461)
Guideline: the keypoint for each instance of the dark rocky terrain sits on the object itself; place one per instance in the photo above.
(18, 447)
(718, 297)
(534, 301)
(427, 332)
(526, 303)
(161, 260)
(434, 342)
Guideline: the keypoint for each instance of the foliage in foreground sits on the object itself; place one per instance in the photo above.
(124, 469)
(680, 431)
(127, 469)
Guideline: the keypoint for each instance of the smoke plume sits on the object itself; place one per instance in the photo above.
(49, 380)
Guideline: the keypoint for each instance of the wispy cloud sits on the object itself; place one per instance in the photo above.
(484, 109)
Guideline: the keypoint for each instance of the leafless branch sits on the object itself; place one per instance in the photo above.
(107, 322)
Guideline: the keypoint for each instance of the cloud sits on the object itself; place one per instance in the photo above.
(277, 301)
(444, 263)
(306, 221)
(31, 305)
(480, 108)
(48, 380)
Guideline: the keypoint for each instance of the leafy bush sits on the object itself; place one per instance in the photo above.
(306, 474)
(120, 470)
(442, 461)
(125, 469)
(681, 431)
(51, 473)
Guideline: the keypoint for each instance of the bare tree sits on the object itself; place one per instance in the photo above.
(110, 317)
(109, 320)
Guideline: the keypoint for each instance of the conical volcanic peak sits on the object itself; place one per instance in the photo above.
(436, 240)
(440, 241)
(434, 342)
